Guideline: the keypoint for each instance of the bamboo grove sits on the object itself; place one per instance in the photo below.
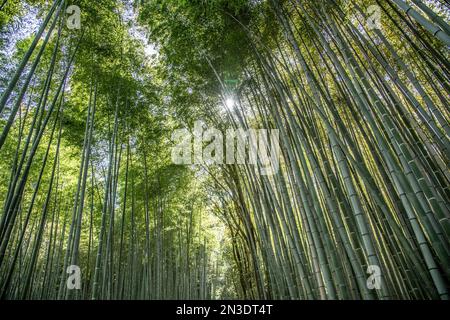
(86, 117)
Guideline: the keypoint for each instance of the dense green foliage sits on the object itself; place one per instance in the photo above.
(87, 179)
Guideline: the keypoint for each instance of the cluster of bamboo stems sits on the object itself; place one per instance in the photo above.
(130, 253)
(364, 140)
(364, 180)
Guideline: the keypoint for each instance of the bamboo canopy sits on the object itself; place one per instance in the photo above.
(358, 91)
